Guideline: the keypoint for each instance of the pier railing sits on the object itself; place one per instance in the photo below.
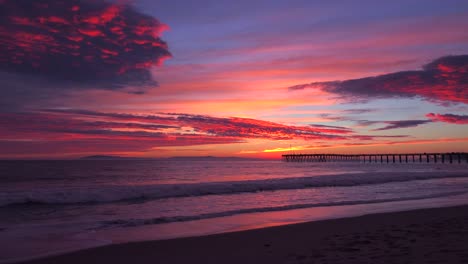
(457, 157)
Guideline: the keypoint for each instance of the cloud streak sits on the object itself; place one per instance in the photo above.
(44, 131)
(449, 118)
(219, 126)
(443, 80)
(402, 124)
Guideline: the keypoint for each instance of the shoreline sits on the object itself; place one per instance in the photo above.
(415, 236)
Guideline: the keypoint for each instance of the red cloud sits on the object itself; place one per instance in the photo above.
(91, 131)
(253, 128)
(443, 80)
(234, 127)
(95, 43)
(449, 118)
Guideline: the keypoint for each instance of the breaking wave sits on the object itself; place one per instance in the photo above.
(122, 193)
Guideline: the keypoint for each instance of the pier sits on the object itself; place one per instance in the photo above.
(452, 157)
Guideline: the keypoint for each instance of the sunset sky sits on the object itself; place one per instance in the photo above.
(148, 78)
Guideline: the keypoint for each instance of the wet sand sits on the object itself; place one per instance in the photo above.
(437, 235)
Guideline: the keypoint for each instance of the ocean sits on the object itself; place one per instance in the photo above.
(51, 207)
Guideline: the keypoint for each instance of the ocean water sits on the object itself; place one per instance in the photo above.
(49, 207)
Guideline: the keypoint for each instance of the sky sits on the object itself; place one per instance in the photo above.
(147, 78)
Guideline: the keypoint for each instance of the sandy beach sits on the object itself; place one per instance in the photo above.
(421, 236)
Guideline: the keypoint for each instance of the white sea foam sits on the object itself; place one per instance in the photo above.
(115, 193)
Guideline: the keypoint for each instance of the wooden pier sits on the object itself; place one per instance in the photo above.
(452, 157)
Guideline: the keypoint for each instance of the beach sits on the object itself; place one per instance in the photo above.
(437, 235)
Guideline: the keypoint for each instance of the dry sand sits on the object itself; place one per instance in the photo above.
(421, 236)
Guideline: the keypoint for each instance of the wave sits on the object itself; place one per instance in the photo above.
(127, 193)
(163, 220)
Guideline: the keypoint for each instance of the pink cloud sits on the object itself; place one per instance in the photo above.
(443, 80)
(449, 118)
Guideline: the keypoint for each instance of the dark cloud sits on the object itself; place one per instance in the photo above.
(444, 80)
(333, 117)
(372, 137)
(359, 111)
(331, 127)
(390, 124)
(449, 118)
(402, 124)
(347, 114)
(366, 123)
(80, 43)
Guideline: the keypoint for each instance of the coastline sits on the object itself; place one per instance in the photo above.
(436, 235)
